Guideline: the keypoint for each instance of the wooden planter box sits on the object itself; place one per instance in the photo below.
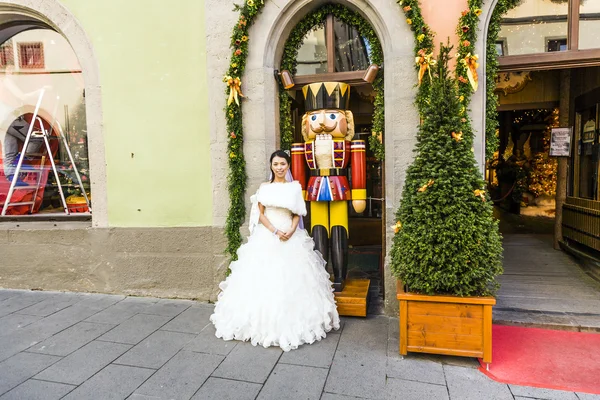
(451, 325)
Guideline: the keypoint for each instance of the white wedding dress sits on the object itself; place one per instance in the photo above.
(278, 293)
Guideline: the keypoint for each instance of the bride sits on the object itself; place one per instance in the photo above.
(278, 292)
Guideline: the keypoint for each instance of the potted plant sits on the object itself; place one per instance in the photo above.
(447, 249)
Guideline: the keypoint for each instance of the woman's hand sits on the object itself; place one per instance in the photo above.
(282, 236)
(289, 234)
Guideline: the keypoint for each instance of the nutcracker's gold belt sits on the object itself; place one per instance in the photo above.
(329, 172)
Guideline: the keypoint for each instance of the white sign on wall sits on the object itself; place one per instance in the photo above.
(560, 142)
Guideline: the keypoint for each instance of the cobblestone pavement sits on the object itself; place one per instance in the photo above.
(92, 346)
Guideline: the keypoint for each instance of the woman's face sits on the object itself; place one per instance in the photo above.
(279, 166)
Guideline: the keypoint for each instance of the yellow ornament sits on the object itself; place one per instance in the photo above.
(477, 11)
(235, 89)
(397, 227)
(425, 62)
(250, 3)
(232, 155)
(421, 37)
(425, 186)
(409, 21)
(470, 62)
(457, 136)
(479, 193)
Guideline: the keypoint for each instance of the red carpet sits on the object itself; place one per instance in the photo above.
(545, 358)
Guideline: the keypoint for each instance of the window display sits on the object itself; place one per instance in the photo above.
(43, 134)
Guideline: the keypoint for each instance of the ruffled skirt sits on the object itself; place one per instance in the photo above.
(278, 293)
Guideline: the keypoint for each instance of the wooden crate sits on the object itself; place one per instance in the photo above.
(451, 325)
(352, 301)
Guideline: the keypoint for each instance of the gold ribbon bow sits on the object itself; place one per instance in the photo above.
(234, 89)
(425, 62)
(470, 62)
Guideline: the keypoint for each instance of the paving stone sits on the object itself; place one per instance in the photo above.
(588, 396)
(139, 300)
(21, 367)
(318, 354)
(296, 381)
(207, 342)
(13, 344)
(414, 369)
(393, 338)
(412, 390)
(77, 367)
(226, 389)
(169, 308)
(359, 365)
(8, 293)
(182, 376)
(236, 365)
(17, 303)
(155, 350)
(51, 305)
(119, 312)
(71, 339)
(192, 320)
(61, 320)
(38, 390)
(467, 384)
(135, 329)
(538, 393)
(99, 301)
(13, 323)
(115, 382)
(143, 397)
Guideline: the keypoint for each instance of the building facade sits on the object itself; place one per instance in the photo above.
(141, 102)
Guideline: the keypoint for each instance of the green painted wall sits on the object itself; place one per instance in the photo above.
(152, 61)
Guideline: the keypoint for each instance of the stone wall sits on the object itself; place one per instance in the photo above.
(163, 262)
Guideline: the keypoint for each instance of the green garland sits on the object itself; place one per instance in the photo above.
(315, 20)
(236, 179)
(423, 44)
(491, 111)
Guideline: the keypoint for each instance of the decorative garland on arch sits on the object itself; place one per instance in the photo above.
(236, 178)
(491, 63)
(315, 20)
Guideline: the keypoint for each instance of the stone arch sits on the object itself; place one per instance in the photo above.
(53, 14)
(478, 101)
(261, 109)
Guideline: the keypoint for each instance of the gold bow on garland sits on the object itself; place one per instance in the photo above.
(235, 89)
(425, 62)
(470, 62)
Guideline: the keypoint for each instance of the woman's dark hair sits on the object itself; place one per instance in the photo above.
(280, 154)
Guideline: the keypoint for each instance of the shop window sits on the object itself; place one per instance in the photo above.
(52, 179)
(31, 55)
(587, 153)
(333, 47)
(589, 24)
(527, 26)
(312, 55)
(351, 49)
(558, 44)
(501, 47)
(6, 54)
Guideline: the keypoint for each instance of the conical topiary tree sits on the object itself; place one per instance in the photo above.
(447, 241)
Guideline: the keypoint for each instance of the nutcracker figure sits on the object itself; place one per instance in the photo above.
(336, 170)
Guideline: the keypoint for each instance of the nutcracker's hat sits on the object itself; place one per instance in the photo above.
(326, 95)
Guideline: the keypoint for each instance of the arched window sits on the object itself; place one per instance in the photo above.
(332, 48)
(44, 167)
(542, 34)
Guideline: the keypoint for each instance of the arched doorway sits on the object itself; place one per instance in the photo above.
(261, 106)
(47, 50)
(548, 79)
(335, 49)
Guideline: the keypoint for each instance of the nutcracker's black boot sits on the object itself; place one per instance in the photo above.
(319, 235)
(339, 256)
